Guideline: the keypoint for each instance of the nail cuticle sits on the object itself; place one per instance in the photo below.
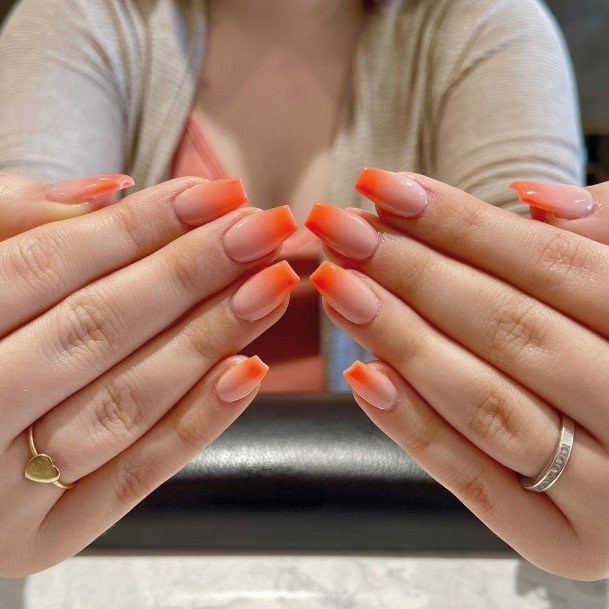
(258, 234)
(347, 293)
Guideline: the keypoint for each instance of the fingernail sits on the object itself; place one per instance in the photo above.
(538, 214)
(259, 234)
(372, 385)
(346, 292)
(394, 192)
(207, 201)
(241, 379)
(564, 200)
(343, 231)
(84, 189)
(264, 292)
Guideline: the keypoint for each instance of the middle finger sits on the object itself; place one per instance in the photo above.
(542, 349)
(93, 329)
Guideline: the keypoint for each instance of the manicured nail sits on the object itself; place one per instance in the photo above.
(372, 385)
(207, 201)
(264, 292)
(241, 379)
(396, 193)
(259, 234)
(346, 292)
(564, 200)
(343, 231)
(84, 189)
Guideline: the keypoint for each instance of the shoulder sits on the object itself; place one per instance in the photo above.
(472, 13)
(455, 24)
(458, 24)
(106, 20)
(457, 36)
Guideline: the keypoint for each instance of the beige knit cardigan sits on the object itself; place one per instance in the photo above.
(473, 92)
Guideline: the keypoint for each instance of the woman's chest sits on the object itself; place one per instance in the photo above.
(272, 121)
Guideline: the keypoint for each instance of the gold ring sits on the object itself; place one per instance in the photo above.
(40, 467)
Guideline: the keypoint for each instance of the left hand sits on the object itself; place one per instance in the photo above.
(488, 326)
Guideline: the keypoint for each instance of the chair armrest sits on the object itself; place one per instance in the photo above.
(301, 473)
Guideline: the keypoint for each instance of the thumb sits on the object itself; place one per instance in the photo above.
(584, 211)
(25, 203)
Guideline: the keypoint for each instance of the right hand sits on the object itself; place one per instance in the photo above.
(584, 211)
(118, 331)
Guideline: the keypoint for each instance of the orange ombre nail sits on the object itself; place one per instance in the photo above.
(207, 201)
(563, 200)
(346, 293)
(343, 231)
(259, 234)
(264, 292)
(80, 190)
(241, 379)
(372, 385)
(396, 193)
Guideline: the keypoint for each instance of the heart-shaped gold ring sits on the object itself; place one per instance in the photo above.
(40, 467)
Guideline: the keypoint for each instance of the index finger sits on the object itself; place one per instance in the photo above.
(44, 265)
(562, 269)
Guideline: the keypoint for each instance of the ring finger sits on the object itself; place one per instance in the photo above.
(510, 424)
(104, 418)
(530, 522)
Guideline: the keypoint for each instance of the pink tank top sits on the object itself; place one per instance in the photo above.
(291, 346)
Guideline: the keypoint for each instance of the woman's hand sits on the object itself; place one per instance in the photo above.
(584, 211)
(25, 204)
(118, 331)
(488, 326)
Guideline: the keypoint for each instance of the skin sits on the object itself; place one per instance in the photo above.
(71, 366)
(307, 69)
(489, 325)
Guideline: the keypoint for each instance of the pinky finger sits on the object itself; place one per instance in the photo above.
(530, 522)
(103, 497)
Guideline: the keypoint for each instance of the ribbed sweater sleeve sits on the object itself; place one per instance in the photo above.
(504, 105)
(62, 101)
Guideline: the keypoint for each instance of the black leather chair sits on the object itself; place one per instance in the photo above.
(302, 472)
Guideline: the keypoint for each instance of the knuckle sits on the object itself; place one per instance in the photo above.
(422, 434)
(191, 434)
(515, 328)
(466, 223)
(187, 272)
(134, 479)
(87, 325)
(561, 256)
(208, 341)
(472, 489)
(491, 418)
(412, 348)
(135, 228)
(35, 261)
(420, 439)
(119, 409)
(414, 270)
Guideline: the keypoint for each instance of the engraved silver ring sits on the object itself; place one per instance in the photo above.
(556, 465)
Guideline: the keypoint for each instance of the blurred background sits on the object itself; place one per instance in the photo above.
(585, 25)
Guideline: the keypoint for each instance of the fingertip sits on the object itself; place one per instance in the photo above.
(241, 380)
(373, 385)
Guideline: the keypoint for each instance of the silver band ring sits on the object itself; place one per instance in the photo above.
(556, 465)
